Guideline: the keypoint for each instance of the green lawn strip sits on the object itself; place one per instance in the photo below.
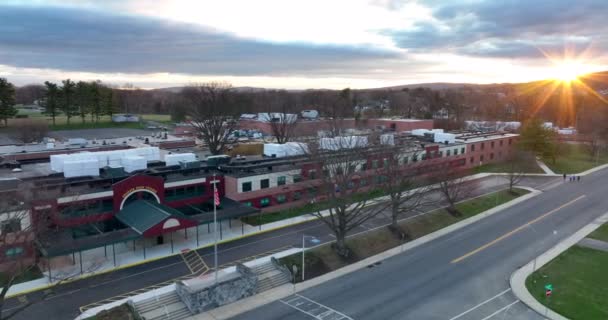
(29, 275)
(580, 284)
(504, 167)
(600, 234)
(575, 158)
(75, 125)
(323, 259)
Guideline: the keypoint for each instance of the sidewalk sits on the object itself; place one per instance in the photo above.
(258, 300)
(99, 260)
(543, 166)
(518, 278)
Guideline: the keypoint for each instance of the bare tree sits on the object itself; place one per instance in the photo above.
(214, 109)
(22, 228)
(404, 186)
(340, 163)
(282, 122)
(516, 167)
(453, 186)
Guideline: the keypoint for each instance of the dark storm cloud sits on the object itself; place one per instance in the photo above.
(511, 28)
(80, 40)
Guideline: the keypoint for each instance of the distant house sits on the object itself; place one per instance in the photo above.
(125, 118)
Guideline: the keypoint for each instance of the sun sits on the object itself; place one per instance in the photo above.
(568, 71)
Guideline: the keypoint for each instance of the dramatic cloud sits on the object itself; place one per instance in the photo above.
(82, 40)
(312, 43)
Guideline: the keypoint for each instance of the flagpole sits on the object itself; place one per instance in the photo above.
(215, 226)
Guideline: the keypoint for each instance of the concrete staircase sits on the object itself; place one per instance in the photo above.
(167, 306)
(269, 276)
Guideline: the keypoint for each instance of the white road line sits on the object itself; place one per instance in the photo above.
(316, 316)
(500, 310)
(481, 304)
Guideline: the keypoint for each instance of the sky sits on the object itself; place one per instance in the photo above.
(300, 44)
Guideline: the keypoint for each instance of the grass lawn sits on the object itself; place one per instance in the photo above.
(575, 158)
(600, 234)
(580, 284)
(32, 274)
(503, 167)
(323, 259)
(104, 121)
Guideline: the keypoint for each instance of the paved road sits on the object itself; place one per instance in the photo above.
(460, 276)
(69, 297)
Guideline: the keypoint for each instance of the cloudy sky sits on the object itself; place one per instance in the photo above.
(300, 43)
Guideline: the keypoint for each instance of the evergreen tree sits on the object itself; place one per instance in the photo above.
(109, 101)
(83, 99)
(7, 101)
(95, 90)
(51, 102)
(541, 141)
(67, 96)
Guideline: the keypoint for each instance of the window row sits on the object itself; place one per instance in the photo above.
(492, 144)
(184, 192)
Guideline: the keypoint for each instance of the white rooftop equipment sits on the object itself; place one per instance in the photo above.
(446, 138)
(80, 168)
(309, 114)
(176, 158)
(388, 139)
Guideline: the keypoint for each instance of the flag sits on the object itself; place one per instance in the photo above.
(216, 196)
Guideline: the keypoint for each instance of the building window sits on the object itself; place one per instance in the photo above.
(461, 150)
(448, 153)
(492, 156)
(281, 181)
(472, 159)
(312, 174)
(264, 183)
(472, 147)
(385, 162)
(248, 203)
(455, 152)
(414, 158)
(510, 140)
(264, 202)
(482, 146)
(312, 191)
(423, 156)
(297, 195)
(374, 164)
(405, 160)
(500, 143)
(11, 225)
(14, 252)
(492, 144)
(500, 154)
(440, 154)
(297, 178)
(246, 186)
(363, 182)
(281, 198)
(481, 158)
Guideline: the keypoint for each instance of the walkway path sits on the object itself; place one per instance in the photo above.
(594, 244)
(543, 166)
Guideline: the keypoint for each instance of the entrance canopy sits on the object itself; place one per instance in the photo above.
(150, 219)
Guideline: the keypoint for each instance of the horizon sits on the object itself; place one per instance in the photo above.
(160, 44)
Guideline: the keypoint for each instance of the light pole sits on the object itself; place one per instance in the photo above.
(312, 239)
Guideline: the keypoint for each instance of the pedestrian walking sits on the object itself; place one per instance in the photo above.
(578, 178)
(564, 177)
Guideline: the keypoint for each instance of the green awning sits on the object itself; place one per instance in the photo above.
(142, 215)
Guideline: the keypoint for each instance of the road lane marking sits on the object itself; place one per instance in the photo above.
(501, 310)
(481, 304)
(516, 230)
(316, 310)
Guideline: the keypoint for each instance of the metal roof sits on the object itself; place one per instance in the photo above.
(142, 215)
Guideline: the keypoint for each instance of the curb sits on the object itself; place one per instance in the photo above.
(250, 303)
(518, 278)
(304, 219)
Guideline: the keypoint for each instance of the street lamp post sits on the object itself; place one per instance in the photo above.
(313, 239)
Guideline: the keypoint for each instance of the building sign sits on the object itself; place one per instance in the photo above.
(138, 188)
